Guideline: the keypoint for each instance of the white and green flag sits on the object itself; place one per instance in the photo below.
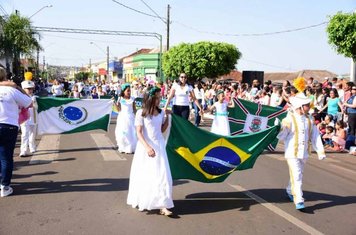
(65, 116)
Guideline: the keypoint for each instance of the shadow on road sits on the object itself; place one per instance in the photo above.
(19, 164)
(45, 152)
(211, 202)
(180, 182)
(87, 185)
(15, 176)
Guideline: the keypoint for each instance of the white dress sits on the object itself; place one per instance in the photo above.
(220, 124)
(125, 131)
(150, 177)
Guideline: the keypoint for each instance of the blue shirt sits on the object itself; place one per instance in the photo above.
(333, 106)
(350, 101)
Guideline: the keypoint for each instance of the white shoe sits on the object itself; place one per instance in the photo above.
(165, 212)
(6, 191)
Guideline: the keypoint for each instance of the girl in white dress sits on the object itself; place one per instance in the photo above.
(220, 124)
(150, 185)
(125, 132)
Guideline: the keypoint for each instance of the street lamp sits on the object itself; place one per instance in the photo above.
(48, 6)
(107, 58)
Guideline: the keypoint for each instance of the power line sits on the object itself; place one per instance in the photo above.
(138, 11)
(270, 65)
(89, 40)
(164, 21)
(224, 34)
(3, 10)
(252, 34)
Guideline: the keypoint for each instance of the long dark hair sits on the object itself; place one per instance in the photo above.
(149, 102)
(122, 93)
(179, 81)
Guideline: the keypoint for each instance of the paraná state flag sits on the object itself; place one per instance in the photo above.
(249, 117)
(199, 155)
(65, 116)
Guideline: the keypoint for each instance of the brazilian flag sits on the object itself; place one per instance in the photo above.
(199, 155)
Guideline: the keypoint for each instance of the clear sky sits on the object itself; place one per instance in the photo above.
(192, 21)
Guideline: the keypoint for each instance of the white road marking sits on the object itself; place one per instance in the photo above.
(47, 150)
(106, 147)
(297, 222)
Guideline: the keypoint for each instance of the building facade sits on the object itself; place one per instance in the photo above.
(146, 66)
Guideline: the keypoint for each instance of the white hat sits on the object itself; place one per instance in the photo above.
(134, 82)
(299, 100)
(27, 84)
(326, 78)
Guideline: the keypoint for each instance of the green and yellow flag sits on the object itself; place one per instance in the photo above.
(199, 155)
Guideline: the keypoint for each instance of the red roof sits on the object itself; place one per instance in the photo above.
(233, 75)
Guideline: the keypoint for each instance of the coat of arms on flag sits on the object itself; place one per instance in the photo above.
(249, 117)
(255, 123)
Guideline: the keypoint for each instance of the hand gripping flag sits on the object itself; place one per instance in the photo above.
(249, 117)
(64, 116)
(197, 154)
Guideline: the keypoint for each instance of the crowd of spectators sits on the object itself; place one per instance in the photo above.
(333, 104)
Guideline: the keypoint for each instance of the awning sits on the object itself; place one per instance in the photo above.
(102, 71)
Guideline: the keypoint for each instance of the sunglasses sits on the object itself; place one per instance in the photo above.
(183, 77)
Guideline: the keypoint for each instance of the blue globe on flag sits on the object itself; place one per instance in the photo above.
(220, 160)
(73, 113)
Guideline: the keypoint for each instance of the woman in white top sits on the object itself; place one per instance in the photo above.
(12, 98)
(181, 92)
(57, 88)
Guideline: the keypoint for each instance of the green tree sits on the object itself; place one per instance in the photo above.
(81, 76)
(342, 34)
(199, 60)
(18, 39)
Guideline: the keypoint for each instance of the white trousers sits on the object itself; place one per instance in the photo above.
(296, 168)
(28, 138)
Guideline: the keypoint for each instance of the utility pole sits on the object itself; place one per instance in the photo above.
(353, 71)
(44, 64)
(353, 68)
(107, 63)
(38, 63)
(168, 22)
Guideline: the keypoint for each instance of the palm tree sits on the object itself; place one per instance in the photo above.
(17, 39)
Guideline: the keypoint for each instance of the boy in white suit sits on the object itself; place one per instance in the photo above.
(299, 133)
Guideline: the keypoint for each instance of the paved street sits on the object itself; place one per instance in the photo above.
(77, 184)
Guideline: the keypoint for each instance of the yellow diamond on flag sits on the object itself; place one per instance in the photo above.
(216, 159)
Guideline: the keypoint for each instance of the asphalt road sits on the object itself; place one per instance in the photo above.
(77, 184)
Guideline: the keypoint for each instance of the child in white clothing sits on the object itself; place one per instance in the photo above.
(220, 124)
(150, 185)
(125, 132)
(28, 127)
